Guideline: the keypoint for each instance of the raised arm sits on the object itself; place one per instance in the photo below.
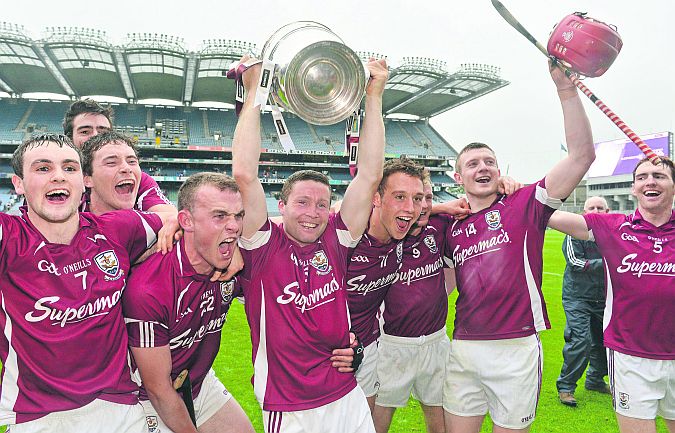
(357, 202)
(566, 174)
(245, 155)
(569, 223)
(154, 365)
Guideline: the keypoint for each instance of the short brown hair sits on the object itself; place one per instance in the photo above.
(468, 147)
(96, 142)
(667, 162)
(188, 190)
(400, 165)
(300, 176)
(37, 141)
(85, 106)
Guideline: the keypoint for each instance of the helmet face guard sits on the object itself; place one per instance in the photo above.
(585, 45)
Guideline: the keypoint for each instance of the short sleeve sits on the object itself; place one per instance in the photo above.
(145, 314)
(133, 229)
(149, 194)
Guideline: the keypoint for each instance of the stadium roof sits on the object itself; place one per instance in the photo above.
(78, 62)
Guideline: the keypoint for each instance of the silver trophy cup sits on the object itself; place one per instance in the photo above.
(316, 76)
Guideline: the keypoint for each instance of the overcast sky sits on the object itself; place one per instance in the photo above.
(523, 121)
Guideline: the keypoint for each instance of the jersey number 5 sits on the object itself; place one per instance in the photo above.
(657, 247)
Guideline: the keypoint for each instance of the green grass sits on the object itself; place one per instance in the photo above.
(593, 415)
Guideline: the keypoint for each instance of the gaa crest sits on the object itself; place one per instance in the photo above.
(107, 262)
(493, 220)
(226, 290)
(430, 242)
(320, 262)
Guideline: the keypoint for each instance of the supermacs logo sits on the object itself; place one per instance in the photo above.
(316, 298)
(46, 308)
(629, 264)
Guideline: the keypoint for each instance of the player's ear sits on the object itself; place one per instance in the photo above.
(458, 178)
(185, 220)
(88, 182)
(17, 182)
(377, 199)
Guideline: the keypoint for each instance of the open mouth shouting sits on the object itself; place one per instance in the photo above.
(403, 223)
(125, 187)
(226, 247)
(57, 196)
(483, 179)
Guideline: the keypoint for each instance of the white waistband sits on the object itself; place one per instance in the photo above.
(415, 341)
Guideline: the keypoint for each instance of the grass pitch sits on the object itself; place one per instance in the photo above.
(593, 415)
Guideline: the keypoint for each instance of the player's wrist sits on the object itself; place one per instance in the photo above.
(567, 93)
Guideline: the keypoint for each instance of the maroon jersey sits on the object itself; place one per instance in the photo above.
(373, 267)
(417, 303)
(64, 342)
(497, 255)
(149, 195)
(296, 307)
(639, 317)
(167, 303)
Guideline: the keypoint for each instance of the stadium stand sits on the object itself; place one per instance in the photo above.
(12, 118)
(45, 116)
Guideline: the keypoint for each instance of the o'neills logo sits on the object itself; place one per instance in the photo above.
(645, 268)
(316, 298)
(98, 307)
(459, 256)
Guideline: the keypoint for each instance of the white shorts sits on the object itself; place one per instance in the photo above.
(350, 414)
(414, 365)
(99, 416)
(641, 387)
(366, 375)
(502, 377)
(212, 396)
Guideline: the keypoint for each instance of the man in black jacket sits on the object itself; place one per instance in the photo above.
(583, 297)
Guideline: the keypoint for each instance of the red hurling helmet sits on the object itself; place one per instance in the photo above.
(585, 45)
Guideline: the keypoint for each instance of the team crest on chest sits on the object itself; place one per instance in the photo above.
(320, 263)
(226, 290)
(493, 220)
(107, 262)
(430, 242)
(399, 252)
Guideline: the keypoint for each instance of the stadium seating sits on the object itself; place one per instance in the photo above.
(46, 116)
(194, 126)
(12, 112)
(197, 127)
